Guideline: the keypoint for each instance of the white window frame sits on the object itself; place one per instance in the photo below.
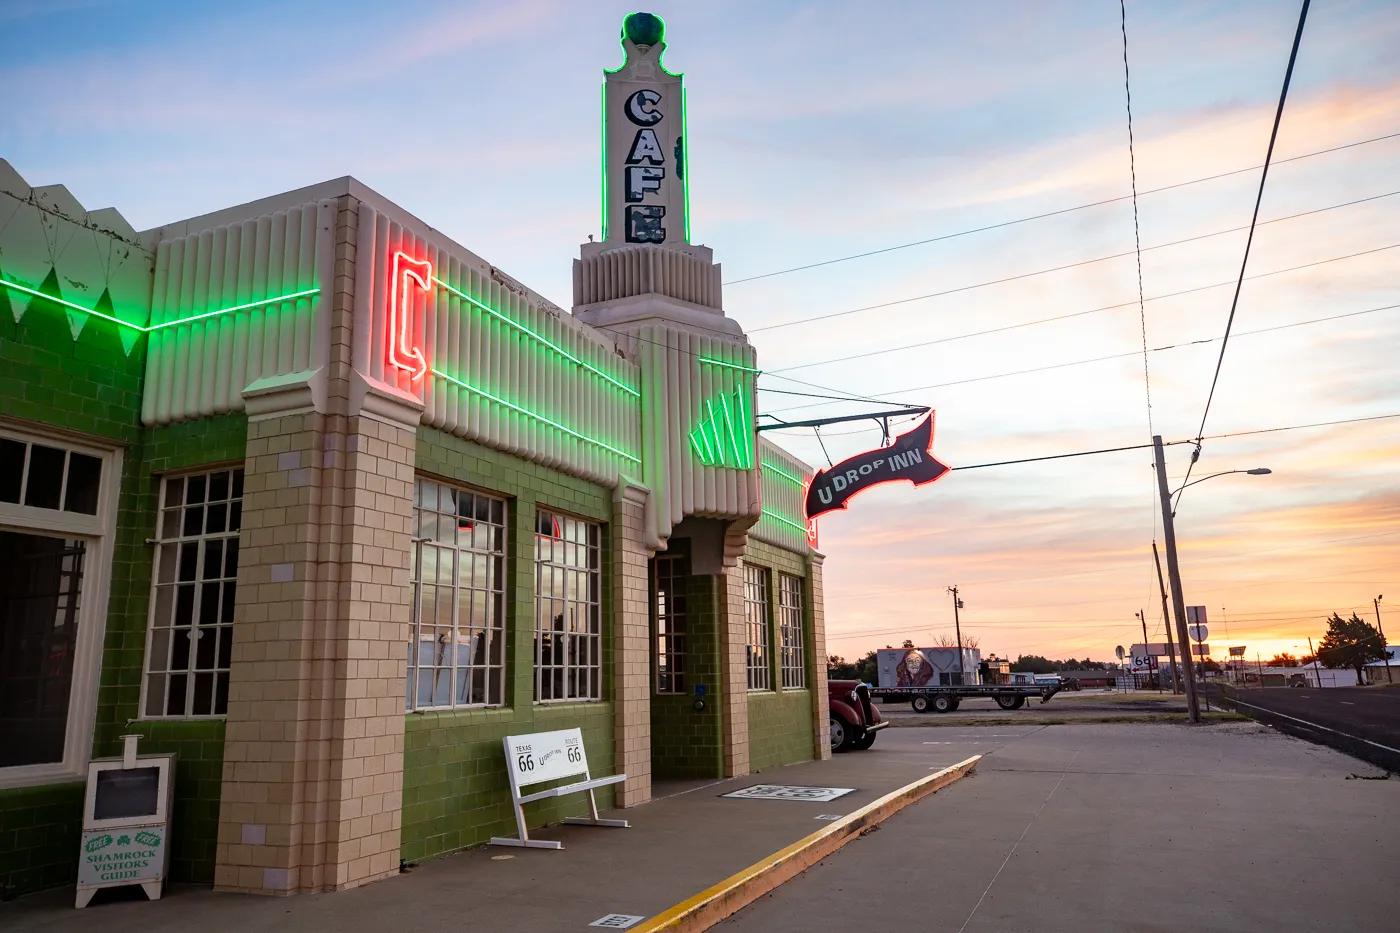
(765, 606)
(791, 618)
(594, 607)
(157, 542)
(496, 586)
(99, 532)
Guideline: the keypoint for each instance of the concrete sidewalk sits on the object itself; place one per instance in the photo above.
(678, 846)
(1226, 827)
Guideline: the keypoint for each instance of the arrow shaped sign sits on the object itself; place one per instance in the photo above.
(908, 458)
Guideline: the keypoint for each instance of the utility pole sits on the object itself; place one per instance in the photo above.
(1167, 622)
(957, 627)
(1385, 649)
(1188, 667)
(1317, 671)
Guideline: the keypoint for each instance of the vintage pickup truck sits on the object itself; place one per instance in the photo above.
(854, 717)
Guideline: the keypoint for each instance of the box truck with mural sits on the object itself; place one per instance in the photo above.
(938, 679)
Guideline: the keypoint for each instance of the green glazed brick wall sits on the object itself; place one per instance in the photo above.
(39, 832)
(780, 729)
(780, 721)
(91, 386)
(456, 793)
(684, 743)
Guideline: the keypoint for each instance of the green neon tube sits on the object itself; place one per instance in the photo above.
(741, 396)
(785, 475)
(290, 296)
(699, 453)
(714, 362)
(68, 304)
(786, 521)
(278, 299)
(733, 434)
(525, 411)
(685, 161)
(542, 339)
(604, 111)
(707, 456)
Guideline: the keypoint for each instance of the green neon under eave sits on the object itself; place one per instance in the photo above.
(530, 414)
(786, 521)
(541, 338)
(783, 474)
(711, 361)
(277, 299)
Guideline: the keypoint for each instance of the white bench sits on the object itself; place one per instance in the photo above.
(551, 756)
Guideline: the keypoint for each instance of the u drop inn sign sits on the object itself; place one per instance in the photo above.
(908, 458)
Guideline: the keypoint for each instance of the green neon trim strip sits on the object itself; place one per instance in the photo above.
(304, 293)
(604, 113)
(68, 304)
(685, 155)
(714, 362)
(696, 444)
(729, 426)
(542, 339)
(741, 394)
(525, 411)
(783, 474)
(290, 296)
(786, 521)
(707, 455)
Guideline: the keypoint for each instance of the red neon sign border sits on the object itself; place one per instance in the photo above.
(401, 353)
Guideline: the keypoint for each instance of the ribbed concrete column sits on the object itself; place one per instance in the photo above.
(735, 672)
(631, 644)
(821, 735)
(313, 755)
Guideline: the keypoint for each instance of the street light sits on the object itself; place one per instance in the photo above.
(1188, 664)
(1385, 649)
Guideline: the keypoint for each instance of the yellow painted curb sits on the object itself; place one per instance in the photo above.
(741, 889)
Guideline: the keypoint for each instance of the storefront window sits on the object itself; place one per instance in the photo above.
(40, 585)
(56, 512)
(456, 651)
(568, 609)
(756, 627)
(190, 643)
(793, 660)
(670, 577)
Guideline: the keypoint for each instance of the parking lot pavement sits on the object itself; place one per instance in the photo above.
(679, 845)
(1360, 721)
(1230, 826)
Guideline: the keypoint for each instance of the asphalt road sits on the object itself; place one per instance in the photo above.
(1227, 827)
(1365, 723)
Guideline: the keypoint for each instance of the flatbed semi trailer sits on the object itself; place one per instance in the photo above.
(946, 699)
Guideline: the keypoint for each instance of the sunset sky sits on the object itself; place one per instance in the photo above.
(821, 130)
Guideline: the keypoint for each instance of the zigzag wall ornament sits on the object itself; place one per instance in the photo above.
(724, 436)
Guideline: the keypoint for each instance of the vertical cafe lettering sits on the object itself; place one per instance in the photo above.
(646, 168)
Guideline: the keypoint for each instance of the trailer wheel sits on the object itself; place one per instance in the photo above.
(920, 704)
(1011, 702)
(840, 735)
(943, 703)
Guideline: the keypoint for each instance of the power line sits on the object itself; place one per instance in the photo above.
(1258, 200)
(1055, 213)
(1137, 235)
(1112, 356)
(1073, 265)
(1062, 317)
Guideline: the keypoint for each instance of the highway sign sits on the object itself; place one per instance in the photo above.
(1198, 632)
(1196, 614)
(1237, 652)
(1200, 649)
(1156, 649)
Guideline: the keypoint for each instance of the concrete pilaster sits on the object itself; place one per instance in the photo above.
(734, 669)
(821, 733)
(631, 644)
